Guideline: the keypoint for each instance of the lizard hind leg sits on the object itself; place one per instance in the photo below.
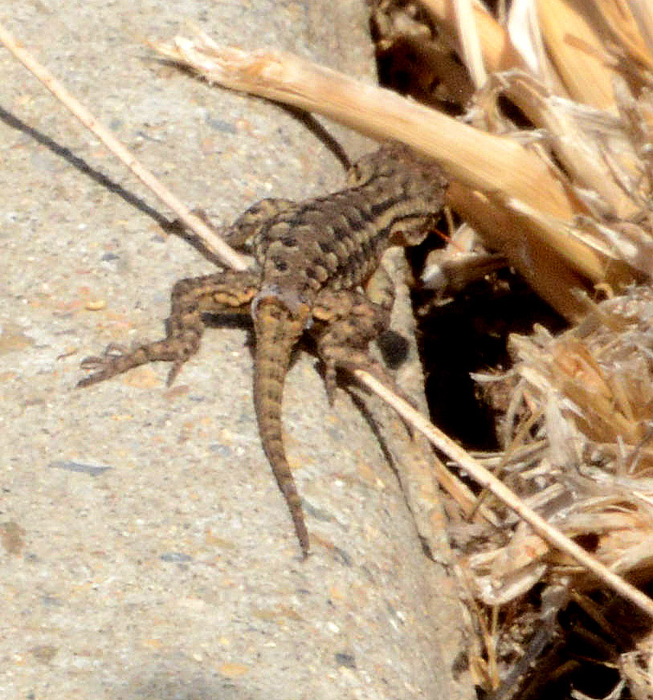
(349, 322)
(221, 292)
(344, 342)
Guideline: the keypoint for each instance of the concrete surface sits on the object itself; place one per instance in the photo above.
(145, 550)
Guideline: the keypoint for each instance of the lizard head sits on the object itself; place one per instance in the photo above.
(417, 175)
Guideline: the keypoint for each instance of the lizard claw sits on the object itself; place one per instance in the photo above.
(111, 351)
(103, 366)
(174, 371)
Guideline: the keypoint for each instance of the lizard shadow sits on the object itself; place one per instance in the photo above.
(77, 162)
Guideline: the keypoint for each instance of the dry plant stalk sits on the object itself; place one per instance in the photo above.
(578, 432)
(480, 160)
(587, 397)
(579, 54)
(498, 51)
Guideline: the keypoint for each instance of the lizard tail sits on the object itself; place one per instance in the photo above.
(277, 332)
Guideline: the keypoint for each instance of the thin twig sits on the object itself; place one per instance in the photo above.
(208, 237)
(483, 477)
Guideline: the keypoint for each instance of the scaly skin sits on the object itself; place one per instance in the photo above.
(312, 258)
(277, 333)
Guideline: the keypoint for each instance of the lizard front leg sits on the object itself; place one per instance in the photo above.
(222, 292)
(249, 223)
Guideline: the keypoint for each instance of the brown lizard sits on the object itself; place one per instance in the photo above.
(312, 259)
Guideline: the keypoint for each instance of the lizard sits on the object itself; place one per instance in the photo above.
(318, 270)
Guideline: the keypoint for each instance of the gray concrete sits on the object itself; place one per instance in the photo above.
(145, 549)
